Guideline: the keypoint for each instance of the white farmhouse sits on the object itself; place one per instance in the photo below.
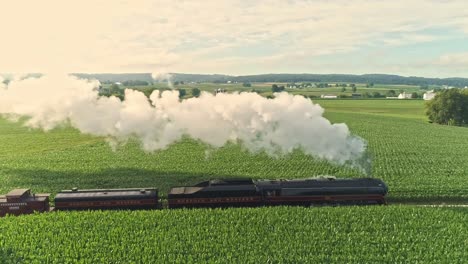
(404, 95)
(429, 95)
(328, 96)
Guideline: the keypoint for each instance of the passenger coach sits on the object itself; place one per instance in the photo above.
(107, 199)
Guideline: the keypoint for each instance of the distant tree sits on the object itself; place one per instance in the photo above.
(414, 95)
(343, 89)
(247, 84)
(196, 92)
(449, 107)
(181, 82)
(366, 95)
(376, 95)
(344, 85)
(135, 83)
(424, 87)
(147, 90)
(391, 93)
(352, 85)
(115, 89)
(182, 93)
(176, 83)
(368, 85)
(354, 89)
(276, 89)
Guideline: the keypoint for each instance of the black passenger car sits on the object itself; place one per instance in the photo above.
(107, 199)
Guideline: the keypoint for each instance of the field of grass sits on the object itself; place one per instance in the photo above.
(420, 162)
(382, 107)
(384, 234)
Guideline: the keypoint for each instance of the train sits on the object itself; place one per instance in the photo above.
(231, 192)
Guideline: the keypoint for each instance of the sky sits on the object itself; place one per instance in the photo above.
(410, 38)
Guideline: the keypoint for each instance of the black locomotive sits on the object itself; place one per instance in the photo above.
(213, 193)
(247, 192)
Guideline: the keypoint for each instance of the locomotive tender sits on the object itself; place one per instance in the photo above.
(231, 192)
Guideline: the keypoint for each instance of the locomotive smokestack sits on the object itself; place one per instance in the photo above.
(277, 126)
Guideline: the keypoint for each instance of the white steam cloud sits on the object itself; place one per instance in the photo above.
(164, 77)
(2, 83)
(277, 125)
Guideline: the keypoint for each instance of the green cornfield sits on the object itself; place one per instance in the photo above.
(421, 163)
(380, 234)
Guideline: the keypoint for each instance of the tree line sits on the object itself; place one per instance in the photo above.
(286, 78)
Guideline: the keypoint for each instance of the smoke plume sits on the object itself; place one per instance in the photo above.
(277, 125)
(163, 77)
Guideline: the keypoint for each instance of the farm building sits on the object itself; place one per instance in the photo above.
(219, 90)
(404, 95)
(429, 95)
(328, 96)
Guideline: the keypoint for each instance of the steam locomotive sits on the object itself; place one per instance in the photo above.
(231, 192)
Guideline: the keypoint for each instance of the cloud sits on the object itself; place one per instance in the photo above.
(409, 38)
(454, 59)
(136, 36)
